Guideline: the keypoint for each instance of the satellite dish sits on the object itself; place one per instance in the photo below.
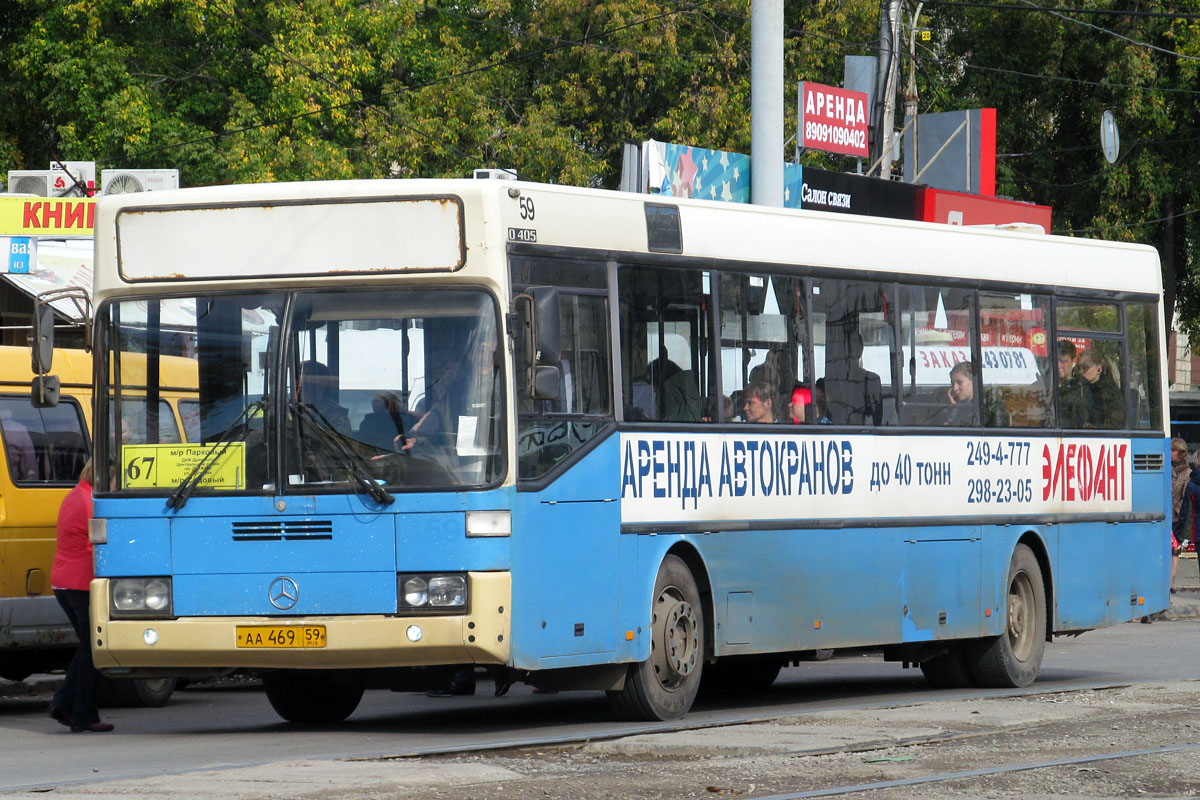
(1110, 140)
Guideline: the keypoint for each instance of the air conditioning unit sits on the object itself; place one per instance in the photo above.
(495, 174)
(73, 178)
(30, 181)
(125, 181)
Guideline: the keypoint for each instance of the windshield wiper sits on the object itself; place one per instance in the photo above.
(350, 460)
(239, 427)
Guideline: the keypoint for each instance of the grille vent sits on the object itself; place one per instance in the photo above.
(277, 531)
(1148, 462)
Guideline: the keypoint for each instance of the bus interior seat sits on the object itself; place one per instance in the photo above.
(890, 415)
(378, 429)
(925, 408)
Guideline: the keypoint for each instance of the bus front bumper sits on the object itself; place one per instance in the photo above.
(480, 636)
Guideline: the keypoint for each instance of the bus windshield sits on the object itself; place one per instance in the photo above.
(308, 392)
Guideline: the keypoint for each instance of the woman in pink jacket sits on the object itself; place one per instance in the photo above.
(74, 705)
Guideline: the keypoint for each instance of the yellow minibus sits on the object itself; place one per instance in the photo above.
(44, 451)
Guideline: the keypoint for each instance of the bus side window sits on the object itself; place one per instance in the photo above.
(1016, 360)
(42, 445)
(1142, 325)
(67, 442)
(1092, 390)
(763, 341)
(665, 340)
(853, 349)
(937, 329)
(24, 441)
(551, 430)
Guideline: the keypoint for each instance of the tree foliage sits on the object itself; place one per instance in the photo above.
(276, 90)
(1051, 77)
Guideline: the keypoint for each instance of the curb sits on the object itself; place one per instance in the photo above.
(33, 686)
(1184, 607)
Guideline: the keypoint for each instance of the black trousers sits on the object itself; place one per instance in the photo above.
(77, 697)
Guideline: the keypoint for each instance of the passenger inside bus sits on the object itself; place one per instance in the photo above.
(22, 459)
(961, 395)
(962, 408)
(1105, 403)
(433, 425)
(681, 400)
(820, 414)
(798, 408)
(1072, 407)
(759, 404)
(318, 389)
(854, 394)
(384, 426)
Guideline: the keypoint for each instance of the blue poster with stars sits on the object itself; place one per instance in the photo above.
(703, 174)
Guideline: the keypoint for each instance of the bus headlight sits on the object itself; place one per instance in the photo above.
(432, 593)
(447, 590)
(416, 591)
(140, 597)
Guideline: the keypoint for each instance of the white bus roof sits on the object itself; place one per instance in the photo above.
(319, 229)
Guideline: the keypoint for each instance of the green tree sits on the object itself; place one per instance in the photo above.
(1051, 76)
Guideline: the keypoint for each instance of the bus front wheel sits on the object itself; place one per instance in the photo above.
(1012, 659)
(311, 695)
(135, 692)
(664, 686)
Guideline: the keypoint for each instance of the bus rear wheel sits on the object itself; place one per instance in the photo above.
(664, 686)
(311, 695)
(1013, 659)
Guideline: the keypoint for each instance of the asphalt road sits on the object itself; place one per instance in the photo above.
(220, 728)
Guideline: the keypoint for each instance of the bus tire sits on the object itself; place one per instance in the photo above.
(134, 692)
(1013, 659)
(664, 686)
(311, 695)
(153, 692)
(948, 670)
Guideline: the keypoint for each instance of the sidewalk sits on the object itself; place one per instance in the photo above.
(1185, 602)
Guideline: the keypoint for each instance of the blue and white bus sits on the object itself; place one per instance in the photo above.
(604, 441)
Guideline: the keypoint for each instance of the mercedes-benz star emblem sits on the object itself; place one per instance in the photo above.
(283, 593)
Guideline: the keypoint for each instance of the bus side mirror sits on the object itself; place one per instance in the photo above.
(45, 391)
(42, 343)
(540, 337)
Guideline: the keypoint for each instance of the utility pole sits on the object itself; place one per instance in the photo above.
(885, 103)
(910, 94)
(766, 102)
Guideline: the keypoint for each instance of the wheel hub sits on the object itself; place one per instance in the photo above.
(1020, 628)
(676, 642)
(681, 638)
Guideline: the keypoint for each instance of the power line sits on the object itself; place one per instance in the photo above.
(1130, 146)
(1143, 223)
(1106, 12)
(1081, 81)
(1115, 35)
